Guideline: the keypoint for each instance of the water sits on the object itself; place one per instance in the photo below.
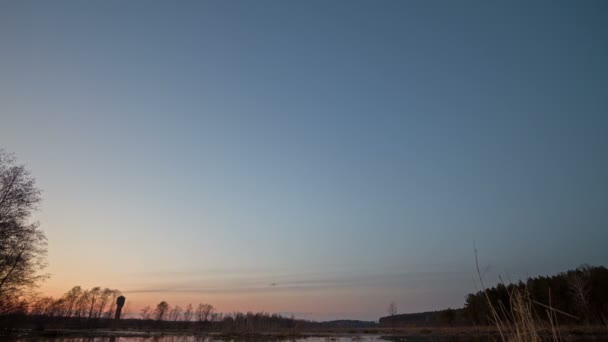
(200, 339)
(349, 338)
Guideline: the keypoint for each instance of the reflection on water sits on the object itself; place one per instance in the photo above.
(357, 338)
(202, 339)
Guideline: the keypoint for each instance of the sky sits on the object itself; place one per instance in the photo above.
(315, 158)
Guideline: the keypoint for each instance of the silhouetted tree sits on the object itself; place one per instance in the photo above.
(22, 244)
(188, 313)
(126, 310)
(93, 295)
(579, 293)
(161, 310)
(71, 298)
(146, 312)
(112, 295)
(203, 312)
(174, 313)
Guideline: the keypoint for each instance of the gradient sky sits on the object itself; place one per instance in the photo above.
(317, 158)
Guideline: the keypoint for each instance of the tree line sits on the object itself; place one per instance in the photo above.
(205, 317)
(93, 303)
(165, 312)
(94, 308)
(577, 296)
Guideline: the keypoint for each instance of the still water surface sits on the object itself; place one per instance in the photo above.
(351, 338)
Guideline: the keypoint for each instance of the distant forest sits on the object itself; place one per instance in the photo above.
(577, 296)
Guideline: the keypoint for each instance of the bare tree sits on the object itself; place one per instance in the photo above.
(41, 306)
(82, 304)
(188, 313)
(71, 297)
(392, 309)
(93, 297)
(146, 313)
(104, 298)
(161, 310)
(174, 313)
(112, 303)
(18, 193)
(22, 244)
(126, 310)
(204, 311)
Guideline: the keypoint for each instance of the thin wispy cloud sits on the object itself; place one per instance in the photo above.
(297, 282)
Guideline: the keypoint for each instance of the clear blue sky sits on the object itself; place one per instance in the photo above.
(315, 157)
